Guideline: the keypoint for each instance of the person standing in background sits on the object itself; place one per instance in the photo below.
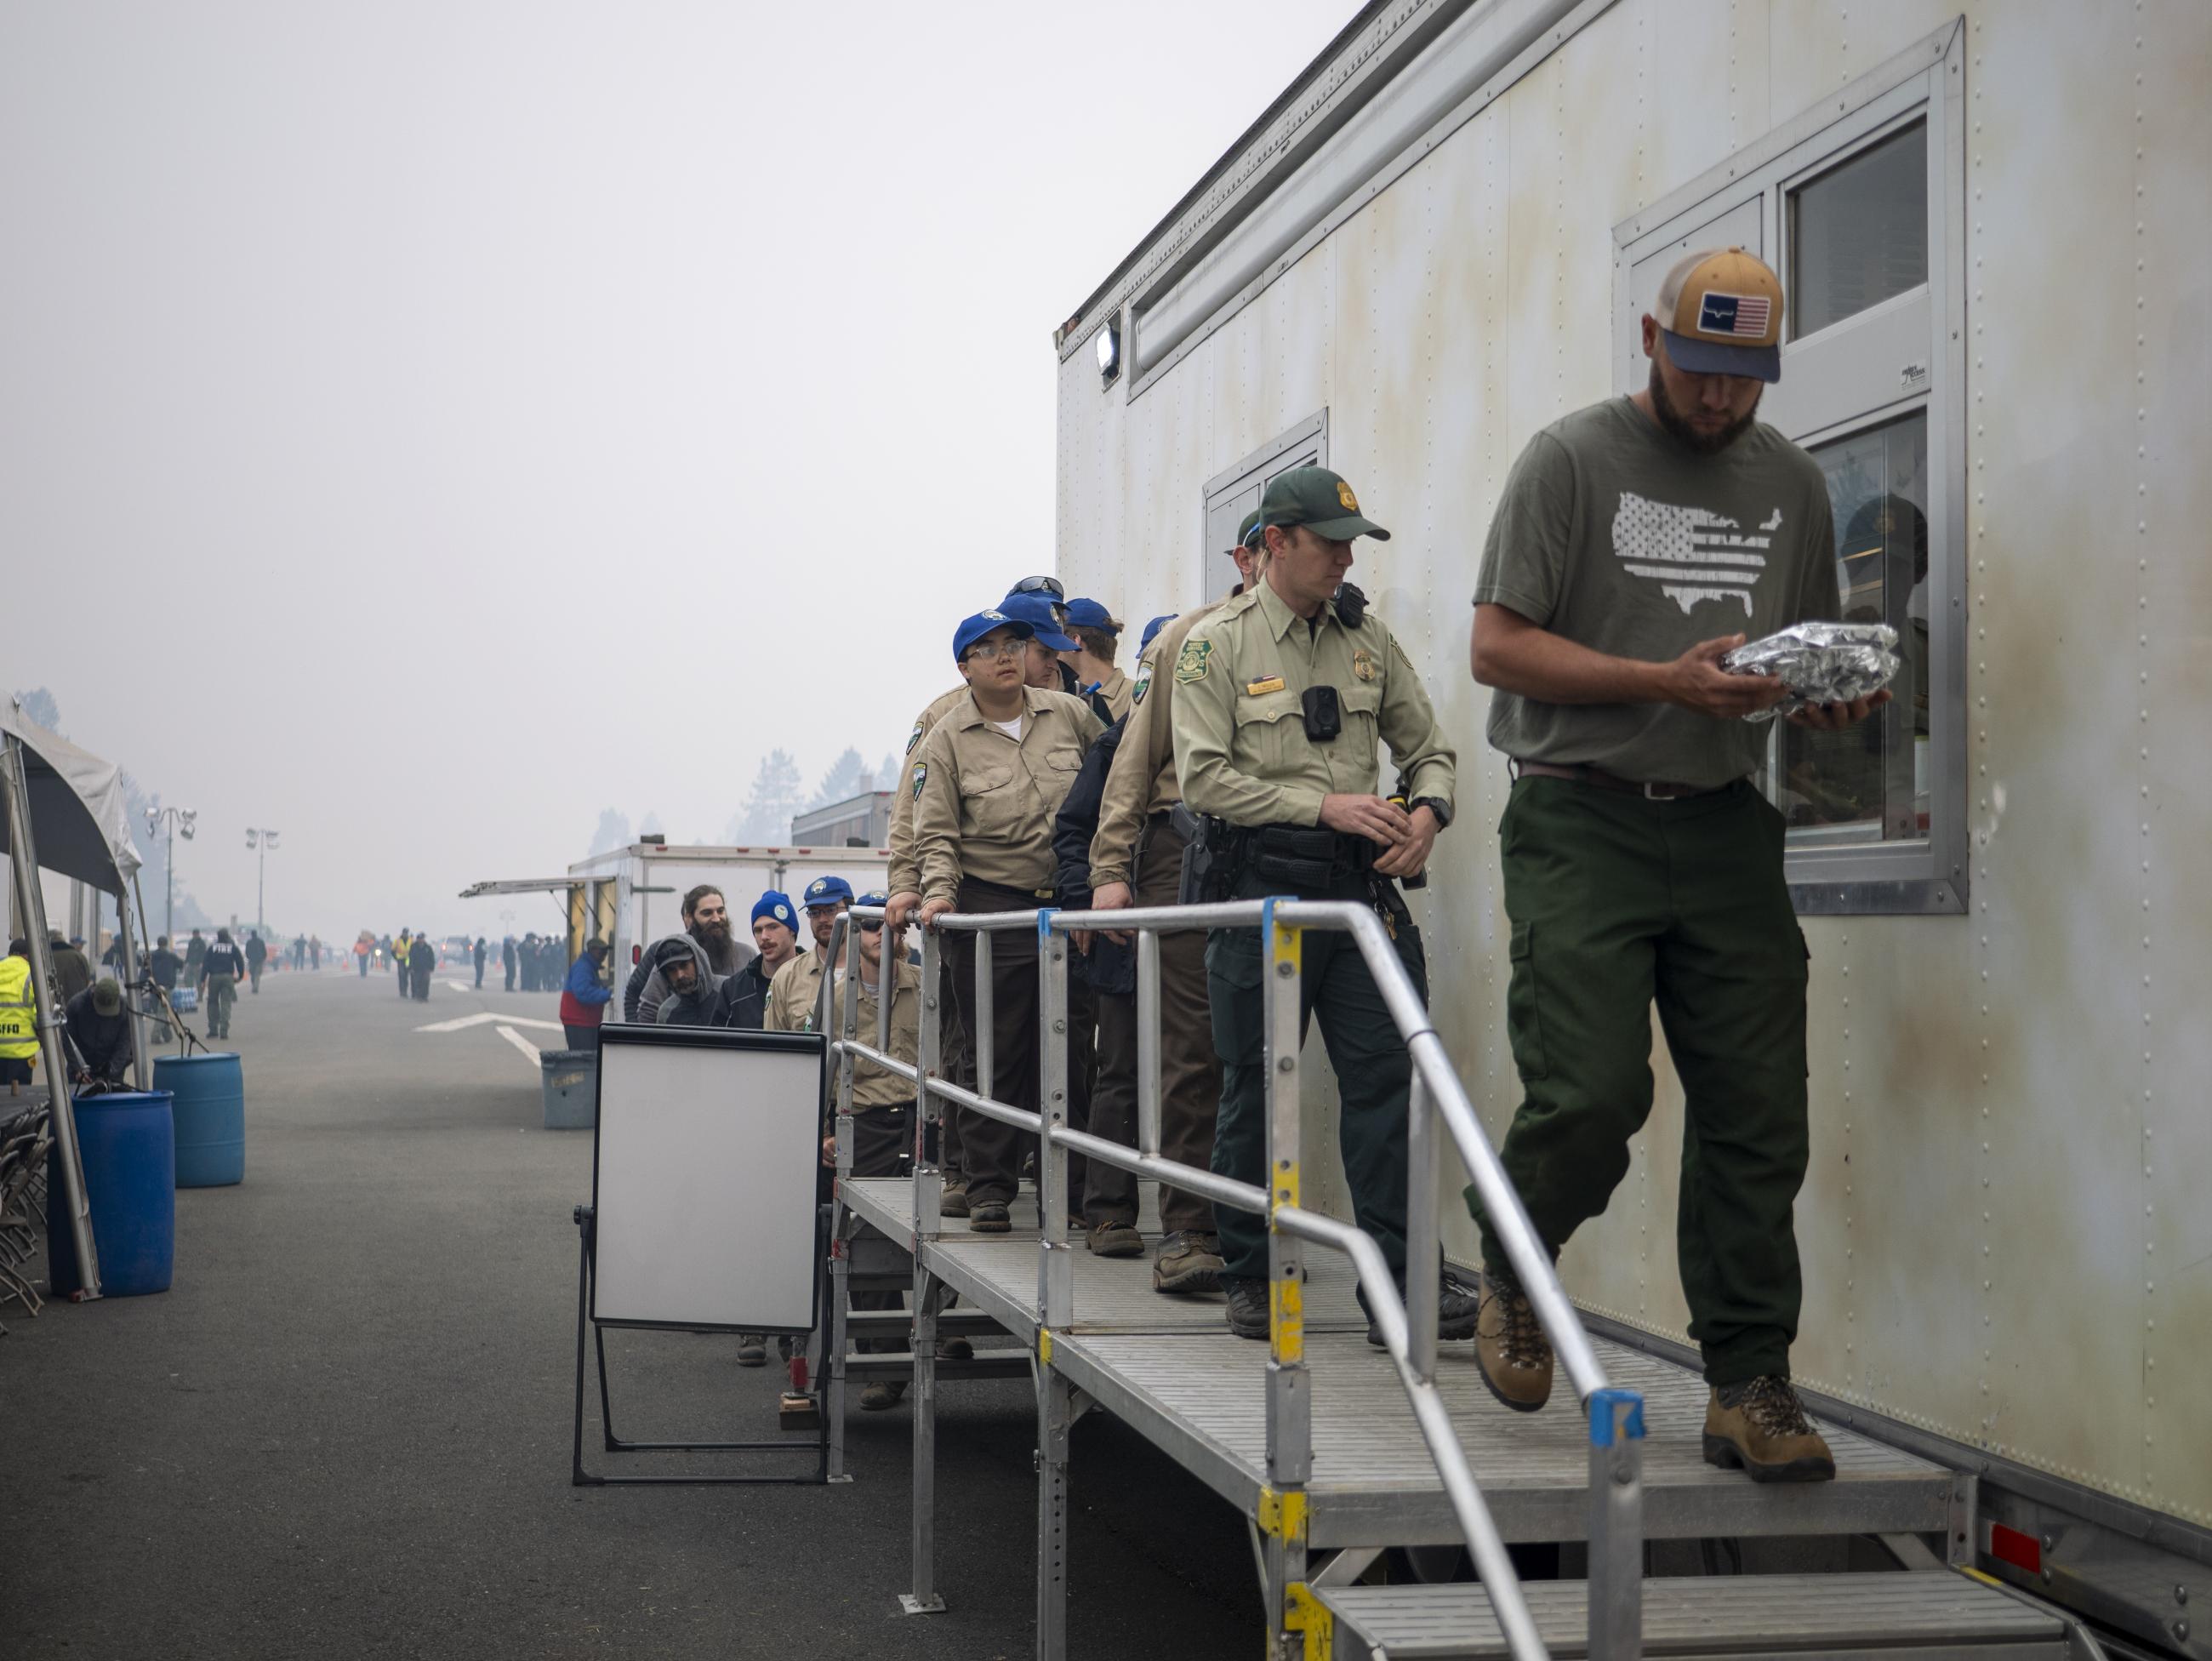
(72, 968)
(1097, 636)
(507, 959)
(195, 950)
(19, 1017)
(423, 962)
(584, 996)
(257, 957)
(401, 960)
(221, 971)
(481, 952)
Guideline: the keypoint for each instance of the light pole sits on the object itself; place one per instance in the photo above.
(175, 819)
(263, 840)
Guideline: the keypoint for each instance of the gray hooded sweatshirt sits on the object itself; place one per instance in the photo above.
(696, 1008)
(641, 996)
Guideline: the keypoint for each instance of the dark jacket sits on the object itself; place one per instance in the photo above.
(103, 1041)
(163, 965)
(256, 950)
(72, 970)
(222, 958)
(743, 1001)
(421, 957)
(1108, 966)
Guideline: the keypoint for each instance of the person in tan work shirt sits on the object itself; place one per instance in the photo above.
(1136, 858)
(991, 775)
(794, 995)
(1281, 701)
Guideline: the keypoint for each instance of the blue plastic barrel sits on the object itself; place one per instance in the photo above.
(211, 1093)
(129, 1149)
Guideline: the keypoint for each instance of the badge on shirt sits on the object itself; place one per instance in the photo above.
(1254, 689)
(1362, 664)
(921, 773)
(1143, 681)
(914, 738)
(1191, 665)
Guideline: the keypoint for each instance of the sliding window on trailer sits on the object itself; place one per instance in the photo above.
(1858, 207)
(1235, 492)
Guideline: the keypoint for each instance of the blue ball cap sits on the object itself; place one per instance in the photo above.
(1154, 628)
(829, 890)
(1090, 614)
(776, 908)
(1043, 615)
(873, 897)
(972, 629)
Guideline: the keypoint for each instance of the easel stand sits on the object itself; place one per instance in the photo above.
(578, 1477)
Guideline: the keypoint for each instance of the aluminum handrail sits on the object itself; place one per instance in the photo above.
(1615, 1416)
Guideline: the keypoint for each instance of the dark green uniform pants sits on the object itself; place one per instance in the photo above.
(1373, 1072)
(1616, 901)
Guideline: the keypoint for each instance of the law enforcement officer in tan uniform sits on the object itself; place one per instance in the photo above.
(1279, 702)
(1136, 858)
(991, 775)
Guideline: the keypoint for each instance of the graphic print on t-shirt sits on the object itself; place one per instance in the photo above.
(1692, 553)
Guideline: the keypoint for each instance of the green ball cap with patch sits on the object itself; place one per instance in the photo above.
(1319, 500)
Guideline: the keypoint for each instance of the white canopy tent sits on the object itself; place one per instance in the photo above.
(61, 810)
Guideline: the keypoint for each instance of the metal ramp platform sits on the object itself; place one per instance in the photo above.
(1892, 1616)
(1169, 1368)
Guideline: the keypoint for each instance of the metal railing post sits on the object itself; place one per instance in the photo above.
(929, 1107)
(30, 898)
(848, 1030)
(986, 1012)
(1056, 1269)
(1290, 1396)
(142, 1075)
(1424, 1251)
(1616, 1526)
(1148, 1041)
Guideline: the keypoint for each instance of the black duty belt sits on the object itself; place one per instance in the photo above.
(1652, 790)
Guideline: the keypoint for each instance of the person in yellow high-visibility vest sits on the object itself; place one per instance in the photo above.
(19, 1017)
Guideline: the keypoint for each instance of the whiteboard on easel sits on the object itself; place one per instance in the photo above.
(704, 1168)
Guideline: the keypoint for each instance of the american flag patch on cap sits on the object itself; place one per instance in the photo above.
(1733, 313)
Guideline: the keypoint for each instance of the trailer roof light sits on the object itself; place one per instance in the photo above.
(1108, 347)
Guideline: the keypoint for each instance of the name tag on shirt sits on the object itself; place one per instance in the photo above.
(1254, 689)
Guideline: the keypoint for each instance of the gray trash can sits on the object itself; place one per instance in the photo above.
(572, 1088)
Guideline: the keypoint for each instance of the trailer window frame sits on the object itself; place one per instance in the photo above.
(1849, 381)
(1305, 445)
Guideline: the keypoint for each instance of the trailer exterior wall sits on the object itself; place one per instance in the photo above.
(2003, 1228)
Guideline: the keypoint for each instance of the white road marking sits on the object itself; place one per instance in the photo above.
(460, 986)
(483, 1017)
(521, 1043)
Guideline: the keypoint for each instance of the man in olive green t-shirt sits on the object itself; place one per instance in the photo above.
(1637, 541)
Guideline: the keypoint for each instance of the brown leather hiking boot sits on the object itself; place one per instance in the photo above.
(1760, 1426)
(1510, 1347)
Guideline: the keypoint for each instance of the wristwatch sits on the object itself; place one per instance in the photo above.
(1442, 810)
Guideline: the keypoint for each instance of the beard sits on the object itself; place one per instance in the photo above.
(712, 935)
(1697, 443)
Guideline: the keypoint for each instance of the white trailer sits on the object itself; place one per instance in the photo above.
(631, 896)
(1993, 222)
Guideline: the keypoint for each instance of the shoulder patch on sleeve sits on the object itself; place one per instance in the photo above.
(1191, 663)
(914, 738)
(920, 774)
(1143, 684)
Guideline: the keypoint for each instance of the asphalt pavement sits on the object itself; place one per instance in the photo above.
(344, 1431)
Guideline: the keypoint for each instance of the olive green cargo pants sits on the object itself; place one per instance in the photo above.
(1616, 901)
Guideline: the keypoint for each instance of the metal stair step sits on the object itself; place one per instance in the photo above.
(1891, 1616)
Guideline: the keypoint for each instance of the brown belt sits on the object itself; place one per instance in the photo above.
(1652, 790)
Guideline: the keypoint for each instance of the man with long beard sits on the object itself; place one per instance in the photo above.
(706, 920)
(1641, 863)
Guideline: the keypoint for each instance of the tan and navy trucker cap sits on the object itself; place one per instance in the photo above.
(1722, 312)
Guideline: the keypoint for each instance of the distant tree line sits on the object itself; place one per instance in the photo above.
(778, 795)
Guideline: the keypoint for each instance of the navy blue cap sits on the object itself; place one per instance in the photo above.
(1043, 617)
(873, 897)
(829, 891)
(1153, 628)
(1090, 614)
(776, 908)
(972, 629)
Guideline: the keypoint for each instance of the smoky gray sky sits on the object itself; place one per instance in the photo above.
(423, 426)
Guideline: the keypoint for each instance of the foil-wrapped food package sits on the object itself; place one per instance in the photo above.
(1819, 662)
